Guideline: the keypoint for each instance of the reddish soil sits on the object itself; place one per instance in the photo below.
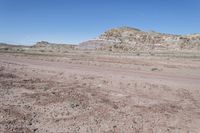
(98, 93)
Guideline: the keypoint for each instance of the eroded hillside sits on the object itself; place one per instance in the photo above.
(131, 39)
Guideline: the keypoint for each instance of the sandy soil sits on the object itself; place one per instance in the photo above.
(98, 93)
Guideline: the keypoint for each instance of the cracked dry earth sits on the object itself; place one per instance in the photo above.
(40, 94)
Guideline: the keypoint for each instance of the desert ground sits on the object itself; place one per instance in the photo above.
(88, 92)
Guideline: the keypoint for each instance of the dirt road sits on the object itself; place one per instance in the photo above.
(175, 78)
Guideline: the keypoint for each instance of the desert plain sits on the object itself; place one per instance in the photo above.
(91, 91)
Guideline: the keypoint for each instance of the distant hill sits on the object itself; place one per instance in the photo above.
(132, 39)
(44, 45)
(48, 44)
(10, 45)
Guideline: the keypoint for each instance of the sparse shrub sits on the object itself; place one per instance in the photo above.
(154, 69)
(110, 48)
(6, 49)
(45, 88)
(152, 54)
(115, 46)
(7, 75)
(42, 50)
(2, 68)
(182, 45)
(74, 105)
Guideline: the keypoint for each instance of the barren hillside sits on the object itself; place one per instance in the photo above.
(131, 39)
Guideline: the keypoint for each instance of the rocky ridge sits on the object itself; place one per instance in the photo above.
(132, 39)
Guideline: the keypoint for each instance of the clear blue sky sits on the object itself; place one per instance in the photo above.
(73, 21)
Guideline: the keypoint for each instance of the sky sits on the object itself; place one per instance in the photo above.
(73, 21)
